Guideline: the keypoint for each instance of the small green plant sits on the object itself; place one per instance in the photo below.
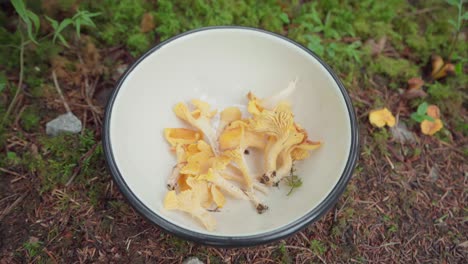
(81, 18)
(285, 257)
(29, 18)
(393, 229)
(32, 23)
(293, 180)
(284, 17)
(317, 247)
(461, 17)
(457, 25)
(420, 114)
(30, 119)
(12, 158)
(381, 138)
(33, 248)
(315, 44)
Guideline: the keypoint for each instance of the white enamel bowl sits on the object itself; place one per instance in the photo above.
(221, 65)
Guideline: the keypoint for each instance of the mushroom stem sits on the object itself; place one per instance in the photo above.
(174, 177)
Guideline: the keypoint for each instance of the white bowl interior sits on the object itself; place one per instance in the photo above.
(221, 66)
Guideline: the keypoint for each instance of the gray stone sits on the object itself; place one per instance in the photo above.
(401, 133)
(192, 260)
(66, 123)
(434, 173)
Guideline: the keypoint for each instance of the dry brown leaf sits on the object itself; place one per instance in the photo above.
(439, 69)
(414, 93)
(147, 23)
(430, 127)
(376, 47)
(433, 111)
(414, 88)
(381, 117)
(415, 83)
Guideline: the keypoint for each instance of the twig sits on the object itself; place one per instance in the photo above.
(10, 172)
(88, 93)
(12, 206)
(8, 197)
(77, 169)
(383, 245)
(390, 162)
(57, 87)
(20, 82)
(18, 116)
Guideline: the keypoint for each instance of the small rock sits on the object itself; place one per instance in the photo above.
(33, 239)
(401, 133)
(434, 173)
(192, 260)
(66, 123)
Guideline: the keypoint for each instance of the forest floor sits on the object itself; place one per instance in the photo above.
(406, 202)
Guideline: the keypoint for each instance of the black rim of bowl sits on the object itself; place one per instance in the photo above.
(233, 241)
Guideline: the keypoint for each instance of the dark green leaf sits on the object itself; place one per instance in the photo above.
(11, 155)
(35, 20)
(20, 8)
(328, 19)
(314, 15)
(89, 14)
(452, 2)
(459, 68)
(331, 50)
(284, 17)
(417, 117)
(61, 27)
(315, 44)
(62, 39)
(294, 182)
(30, 31)
(78, 27)
(428, 118)
(23, 13)
(453, 23)
(53, 22)
(422, 108)
(465, 16)
(87, 21)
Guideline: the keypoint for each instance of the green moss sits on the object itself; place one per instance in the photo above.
(396, 69)
(318, 247)
(60, 156)
(461, 126)
(12, 159)
(96, 192)
(447, 96)
(30, 119)
(281, 254)
(9, 49)
(178, 246)
(381, 138)
(138, 43)
(175, 17)
(120, 21)
(33, 248)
